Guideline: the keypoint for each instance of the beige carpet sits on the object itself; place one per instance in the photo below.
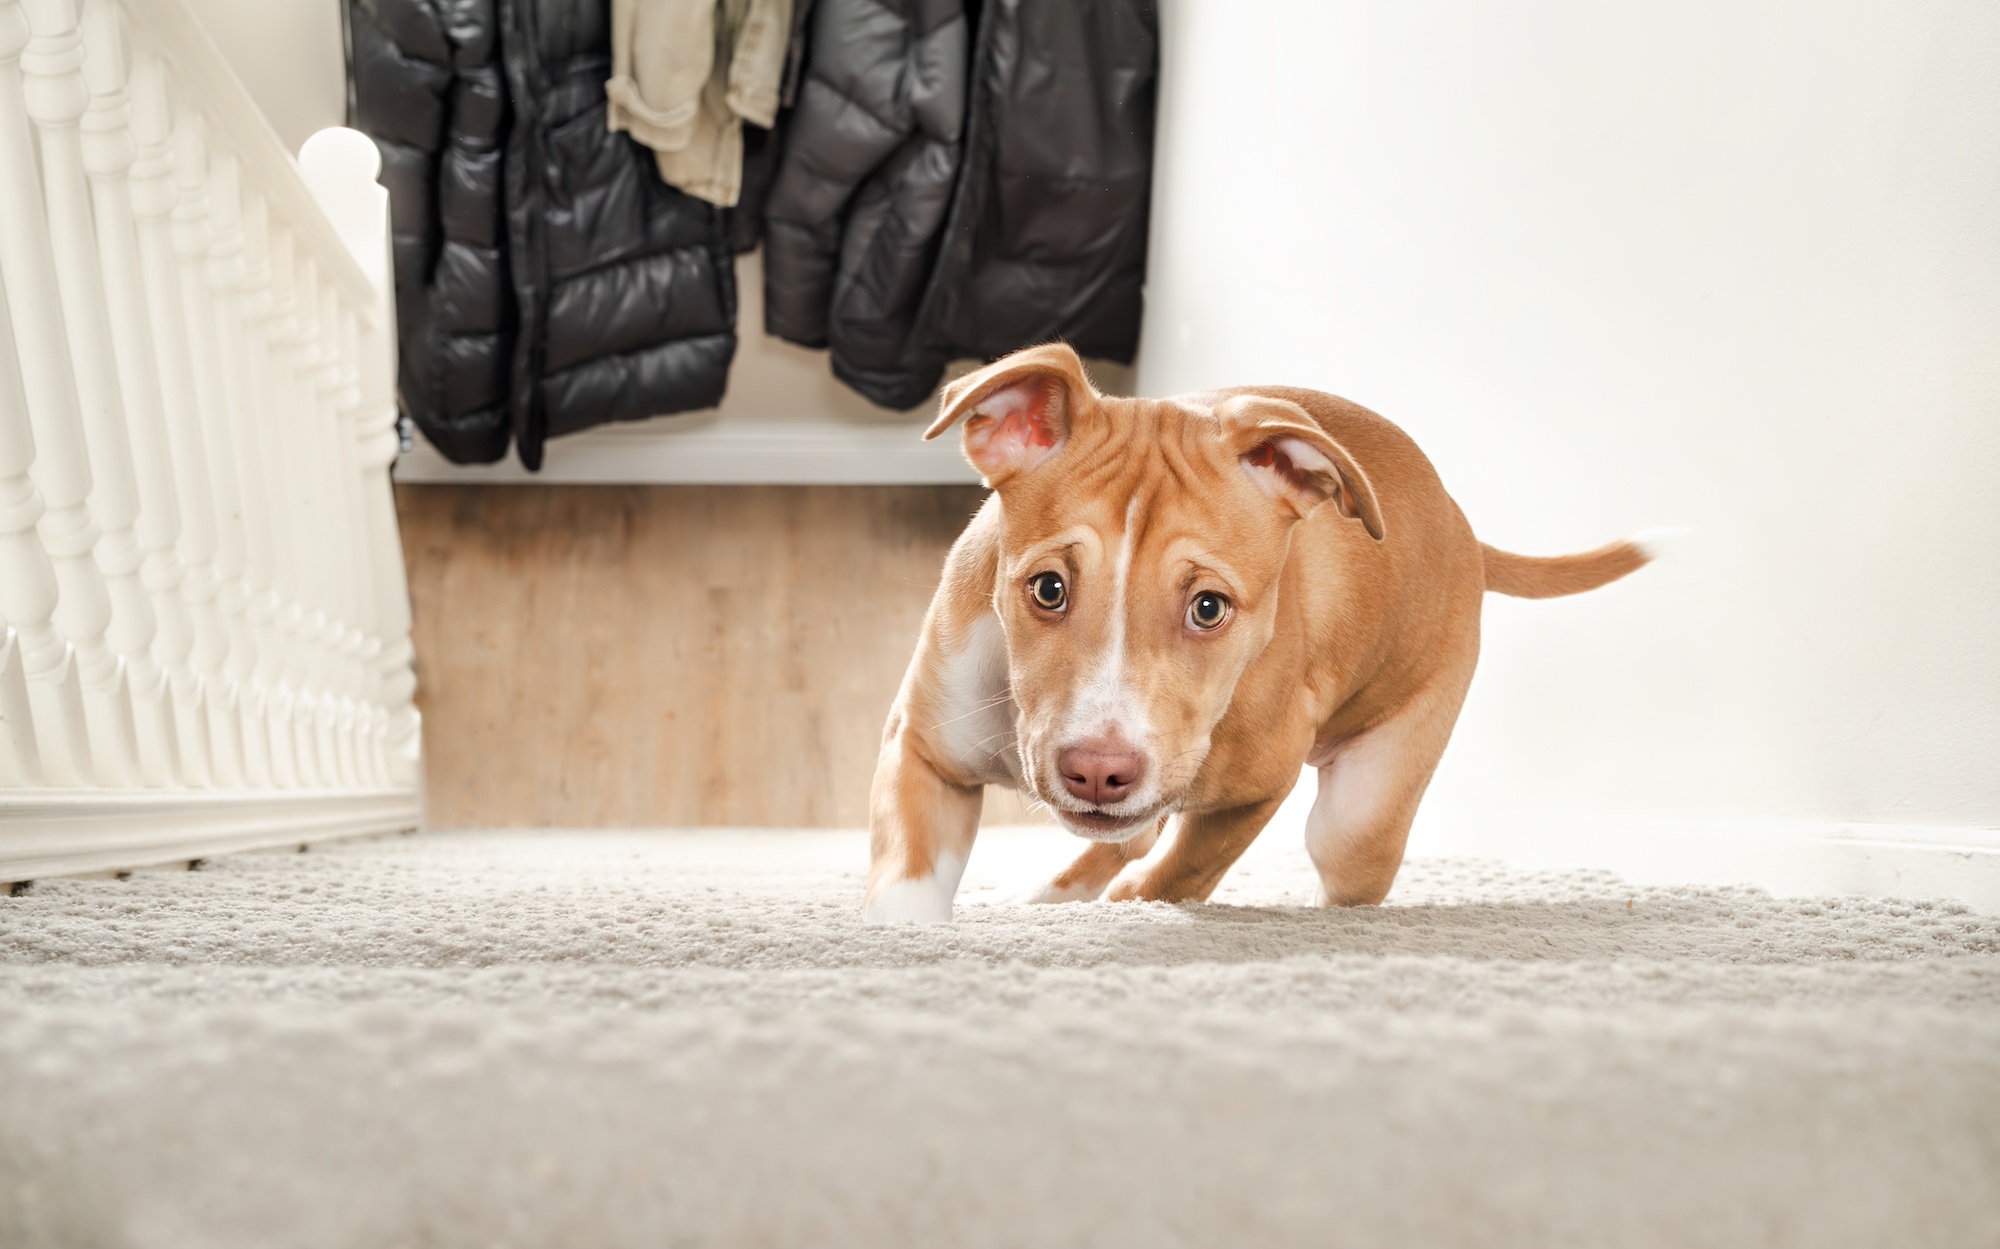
(687, 1039)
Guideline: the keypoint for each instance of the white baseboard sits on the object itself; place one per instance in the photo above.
(702, 450)
(1786, 858)
(54, 832)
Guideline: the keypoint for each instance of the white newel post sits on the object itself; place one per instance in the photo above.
(61, 467)
(204, 626)
(341, 167)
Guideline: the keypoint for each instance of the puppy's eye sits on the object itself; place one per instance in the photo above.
(1208, 610)
(1048, 591)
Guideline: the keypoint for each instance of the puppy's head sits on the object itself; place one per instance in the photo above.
(1141, 547)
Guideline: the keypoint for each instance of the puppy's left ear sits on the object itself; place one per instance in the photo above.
(1293, 460)
(1018, 411)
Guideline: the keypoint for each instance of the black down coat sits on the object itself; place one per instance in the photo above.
(428, 88)
(1047, 236)
(871, 153)
(626, 286)
(1044, 188)
(547, 280)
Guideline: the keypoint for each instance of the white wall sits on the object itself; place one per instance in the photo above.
(289, 54)
(1728, 265)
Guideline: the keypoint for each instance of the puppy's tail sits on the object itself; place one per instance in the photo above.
(1552, 576)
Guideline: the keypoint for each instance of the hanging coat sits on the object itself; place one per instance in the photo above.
(428, 87)
(1044, 187)
(626, 286)
(1047, 236)
(547, 280)
(871, 152)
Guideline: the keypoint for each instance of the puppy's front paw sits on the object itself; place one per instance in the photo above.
(925, 900)
(1125, 890)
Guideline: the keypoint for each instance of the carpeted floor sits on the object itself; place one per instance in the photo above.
(687, 1039)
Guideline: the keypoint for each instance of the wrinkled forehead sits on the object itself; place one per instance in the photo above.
(1152, 455)
(1150, 514)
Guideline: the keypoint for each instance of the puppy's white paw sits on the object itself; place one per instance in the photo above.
(919, 899)
(909, 902)
(1049, 893)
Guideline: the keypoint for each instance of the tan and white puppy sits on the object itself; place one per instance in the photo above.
(1165, 609)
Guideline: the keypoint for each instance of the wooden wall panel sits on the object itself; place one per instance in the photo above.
(593, 656)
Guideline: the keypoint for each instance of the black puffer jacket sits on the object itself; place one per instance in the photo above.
(428, 88)
(1049, 179)
(1047, 237)
(560, 288)
(871, 153)
(626, 286)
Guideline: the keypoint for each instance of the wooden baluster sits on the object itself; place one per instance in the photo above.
(240, 421)
(193, 236)
(337, 385)
(302, 656)
(108, 152)
(57, 98)
(309, 460)
(46, 740)
(61, 467)
(150, 181)
(20, 762)
(403, 729)
(360, 420)
(269, 607)
(320, 378)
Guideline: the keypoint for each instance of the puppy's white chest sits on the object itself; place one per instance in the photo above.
(976, 708)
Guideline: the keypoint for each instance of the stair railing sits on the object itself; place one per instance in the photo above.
(206, 624)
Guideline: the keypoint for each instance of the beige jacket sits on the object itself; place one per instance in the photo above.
(686, 75)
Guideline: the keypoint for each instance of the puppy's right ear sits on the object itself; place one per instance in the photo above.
(1017, 411)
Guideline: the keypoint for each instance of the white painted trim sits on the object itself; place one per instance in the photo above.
(701, 449)
(56, 832)
(1789, 858)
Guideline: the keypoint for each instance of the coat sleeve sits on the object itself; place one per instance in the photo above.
(877, 72)
(661, 57)
(427, 89)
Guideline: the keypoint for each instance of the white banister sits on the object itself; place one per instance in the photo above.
(204, 625)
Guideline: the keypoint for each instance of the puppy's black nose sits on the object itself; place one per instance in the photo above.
(1100, 772)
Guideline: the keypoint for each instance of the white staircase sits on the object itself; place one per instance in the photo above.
(204, 625)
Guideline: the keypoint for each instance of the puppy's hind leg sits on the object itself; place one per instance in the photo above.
(1368, 795)
(1096, 867)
